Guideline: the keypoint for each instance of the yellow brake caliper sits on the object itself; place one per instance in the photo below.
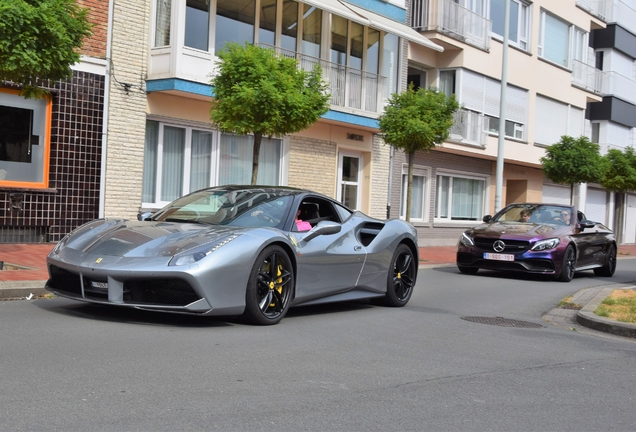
(278, 285)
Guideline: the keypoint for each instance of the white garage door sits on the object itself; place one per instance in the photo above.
(630, 220)
(596, 205)
(556, 194)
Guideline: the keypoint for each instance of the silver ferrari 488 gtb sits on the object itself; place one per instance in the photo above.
(250, 250)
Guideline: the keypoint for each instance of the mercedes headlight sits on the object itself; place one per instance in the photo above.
(542, 245)
(466, 240)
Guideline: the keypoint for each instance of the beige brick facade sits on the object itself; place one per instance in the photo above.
(313, 165)
(127, 111)
(379, 177)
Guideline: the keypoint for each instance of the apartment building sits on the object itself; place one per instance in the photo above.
(161, 143)
(50, 149)
(570, 71)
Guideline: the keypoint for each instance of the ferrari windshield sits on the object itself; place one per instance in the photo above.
(249, 208)
(536, 213)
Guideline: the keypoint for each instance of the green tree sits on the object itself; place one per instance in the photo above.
(40, 39)
(620, 170)
(573, 160)
(417, 120)
(620, 177)
(259, 92)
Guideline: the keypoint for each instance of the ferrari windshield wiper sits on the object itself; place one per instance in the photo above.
(194, 221)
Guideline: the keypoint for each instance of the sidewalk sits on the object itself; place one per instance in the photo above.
(25, 273)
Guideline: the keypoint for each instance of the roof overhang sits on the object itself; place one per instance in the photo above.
(390, 26)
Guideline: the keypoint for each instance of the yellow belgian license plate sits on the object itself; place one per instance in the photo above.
(498, 256)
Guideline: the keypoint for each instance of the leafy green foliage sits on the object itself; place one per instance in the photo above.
(40, 39)
(620, 172)
(260, 92)
(417, 120)
(573, 160)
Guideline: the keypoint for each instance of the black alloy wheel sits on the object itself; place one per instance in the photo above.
(401, 277)
(610, 263)
(269, 288)
(568, 265)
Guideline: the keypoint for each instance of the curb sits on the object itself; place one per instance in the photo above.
(20, 289)
(588, 318)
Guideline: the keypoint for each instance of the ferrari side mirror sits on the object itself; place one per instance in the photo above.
(144, 216)
(323, 228)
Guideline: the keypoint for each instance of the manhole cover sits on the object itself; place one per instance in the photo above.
(500, 321)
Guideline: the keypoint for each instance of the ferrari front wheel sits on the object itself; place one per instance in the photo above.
(269, 288)
(401, 277)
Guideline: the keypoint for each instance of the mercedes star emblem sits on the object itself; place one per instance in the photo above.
(499, 246)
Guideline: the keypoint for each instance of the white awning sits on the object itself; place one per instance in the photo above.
(335, 7)
(389, 26)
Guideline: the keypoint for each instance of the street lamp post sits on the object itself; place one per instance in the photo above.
(502, 110)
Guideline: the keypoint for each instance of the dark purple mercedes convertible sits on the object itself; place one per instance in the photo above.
(550, 239)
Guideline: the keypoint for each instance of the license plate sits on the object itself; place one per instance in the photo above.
(101, 285)
(499, 257)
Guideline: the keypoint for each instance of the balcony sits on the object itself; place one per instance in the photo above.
(603, 83)
(453, 20)
(469, 127)
(605, 147)
(351, 89)
(601, 9)
(587, 77)
(620, 86)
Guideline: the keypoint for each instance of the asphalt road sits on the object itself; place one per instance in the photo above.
(71, 366)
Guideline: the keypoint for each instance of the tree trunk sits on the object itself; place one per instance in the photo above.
(409, 184)
(619, 206)
(255, 155)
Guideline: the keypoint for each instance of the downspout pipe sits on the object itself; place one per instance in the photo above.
(102, 174)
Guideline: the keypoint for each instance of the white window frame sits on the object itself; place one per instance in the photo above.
(460, 174)
(341, 156)
(215, 159)
(418, 171)
(518, 128)
(576, 37)
(523, 26)
(579, 46)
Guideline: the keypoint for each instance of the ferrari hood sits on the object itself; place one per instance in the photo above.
(143, 239)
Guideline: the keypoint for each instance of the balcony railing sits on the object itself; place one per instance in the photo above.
(587, 77)
(452, 19)
(605, 147)
(601, 9)
(615, 84)
(350, 88)
(603, 83)
(469, 127)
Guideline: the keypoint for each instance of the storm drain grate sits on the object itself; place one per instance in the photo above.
(500, 321)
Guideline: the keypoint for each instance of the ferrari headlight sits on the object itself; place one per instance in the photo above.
(466, 240)
(60, 245)
(542, 245)
(194, 255)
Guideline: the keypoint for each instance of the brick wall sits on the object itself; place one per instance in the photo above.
(95, 46)
(312, 165)
(127, 110)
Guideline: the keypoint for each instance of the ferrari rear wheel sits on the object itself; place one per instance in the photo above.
(610, 264)
(269, 288)
(401, 278)
(568, 265)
